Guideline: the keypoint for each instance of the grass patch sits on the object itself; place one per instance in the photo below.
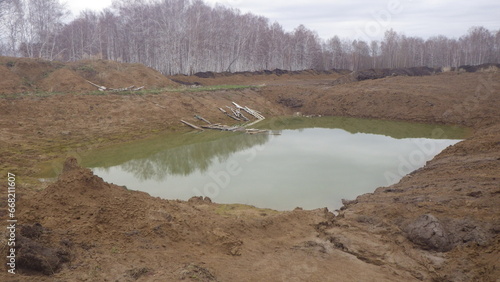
(110, 92)
(157, 91)
(30, 94)
(88, 69)
(154, 91)
(211, 88)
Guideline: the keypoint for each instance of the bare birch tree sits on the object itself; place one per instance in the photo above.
(189, 36)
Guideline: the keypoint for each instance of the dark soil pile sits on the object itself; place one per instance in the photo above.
(480, 68)
(381, 73)
(276, 76)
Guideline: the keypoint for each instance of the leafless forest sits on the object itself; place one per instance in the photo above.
(189, 36)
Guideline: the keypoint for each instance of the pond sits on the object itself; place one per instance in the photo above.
(305, 162)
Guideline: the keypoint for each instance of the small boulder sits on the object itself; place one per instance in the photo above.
(428, 232)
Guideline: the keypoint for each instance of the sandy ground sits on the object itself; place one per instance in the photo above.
(439, 223)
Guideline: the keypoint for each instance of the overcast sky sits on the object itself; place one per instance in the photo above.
(362, 19)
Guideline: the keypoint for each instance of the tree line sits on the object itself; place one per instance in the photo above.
(189, 36)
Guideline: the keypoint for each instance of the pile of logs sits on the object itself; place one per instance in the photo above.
(254, 113)
(104, 88)
(236, 114)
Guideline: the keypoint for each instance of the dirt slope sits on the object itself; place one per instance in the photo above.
(440, 223)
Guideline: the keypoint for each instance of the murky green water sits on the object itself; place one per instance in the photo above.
(314, 163)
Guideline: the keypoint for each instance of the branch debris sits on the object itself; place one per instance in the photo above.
(104, 88)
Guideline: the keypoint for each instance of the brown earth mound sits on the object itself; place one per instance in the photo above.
(118, 75)
(33, 75)
(30, 70)
(276, 76)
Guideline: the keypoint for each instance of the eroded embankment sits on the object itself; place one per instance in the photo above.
(439, 223)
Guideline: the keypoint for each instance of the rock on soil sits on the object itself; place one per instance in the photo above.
(428, 232)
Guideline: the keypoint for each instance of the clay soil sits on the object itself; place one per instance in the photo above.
(439, 223)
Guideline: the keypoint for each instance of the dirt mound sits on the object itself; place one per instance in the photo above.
(277, 72)
(480, 68)
(79, 195)
(118, 75)
(64, 80)
(252, 77)
(78, 186)
(413, 71)
(30, 70)
(381, 73)
(27, 75)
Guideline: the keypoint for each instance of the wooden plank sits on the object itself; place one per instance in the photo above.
(202, 119)
(192, 125)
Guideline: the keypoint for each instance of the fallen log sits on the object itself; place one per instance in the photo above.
(192, 125)
(104, 88)
(254, 113)
(238, 114)
(256, 131)
(243, 117)
(202, 119)
(99, 87)
(122, 89)
(229, 115)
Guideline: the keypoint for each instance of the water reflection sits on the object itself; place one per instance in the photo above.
(394, 129)
(185, 160)
(307, 167)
